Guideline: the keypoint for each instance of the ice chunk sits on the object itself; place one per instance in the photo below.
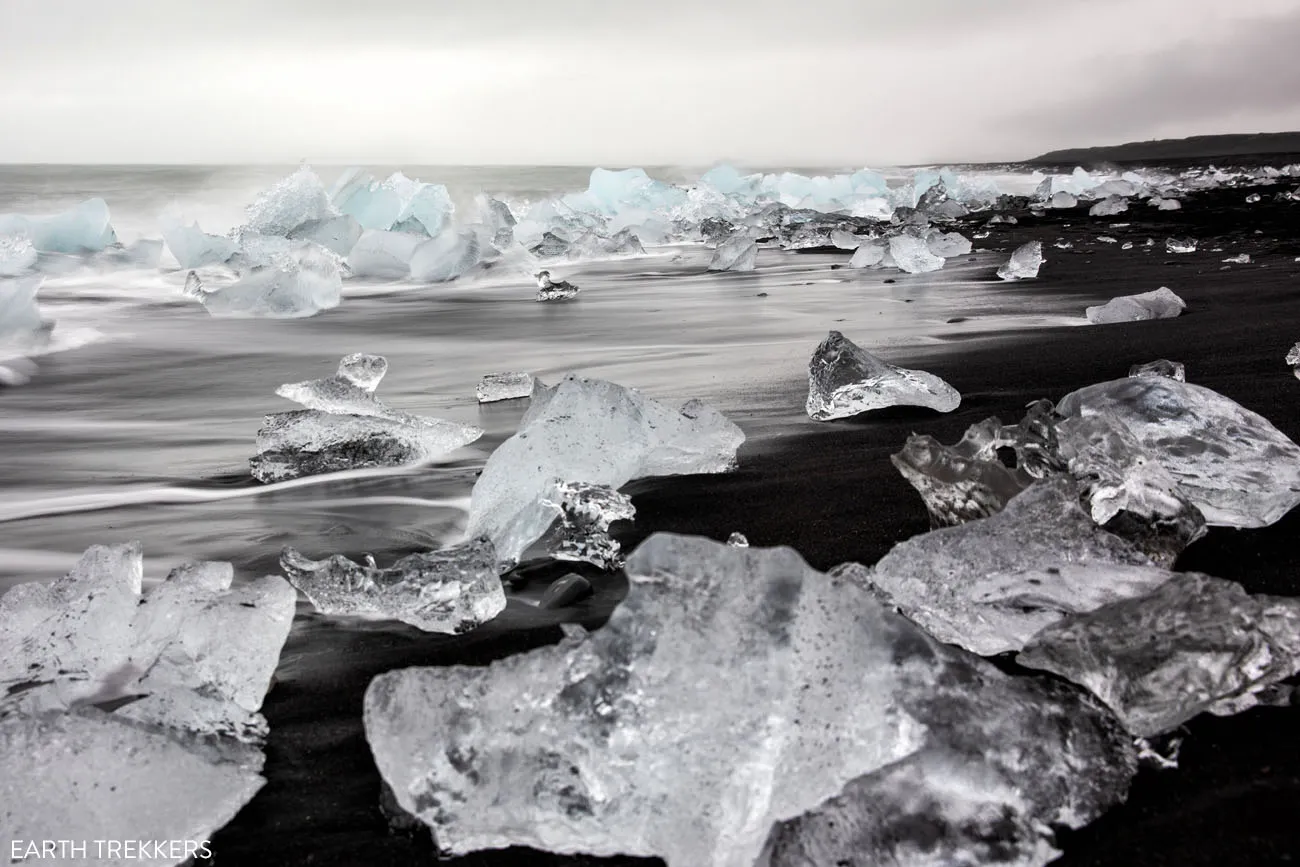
(336, 234)
(588, 430)
(1160, 367)
(591, 245)
(963, 482)
(585, 512)
(845, 380)
(17, 255)
(870, 252)
(429, 205)
(1231, 463)
(738, 540)
(1109, 207)
(550, 290)
(446, 257)
(84, 228)
(845, 240)
(503, 386)
(299, 198)
(1159, 303)
(20, 317)
(1193, 644)
(386, 255)
(1180, 245)
(990, 585)
(350, 390)
(194, 248)
(1062, 199)
(912, 255)
(737, 253)
(1293, 359)
(298, 286)
(948, 244)
(1024, 262)
(760, 706)
(453, 590)
(1252, 198)
(1239, 259)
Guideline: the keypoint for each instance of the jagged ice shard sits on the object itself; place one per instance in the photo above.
(712, 727)
(592, 431)
(1193, 644)
(1160, 367)
(870, 252)
(451, 591)
(845, 380)
(911, 254)
(1231, 463)
(737, 253)
(445, 257)
(296, 286)
(1160, 303)
(1024, 262)
(194, 248)
(346, 427)
(289, 203)
(184, 668)
(585, 512)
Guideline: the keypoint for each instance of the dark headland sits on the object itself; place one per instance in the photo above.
(829, 491)
(1242, 148)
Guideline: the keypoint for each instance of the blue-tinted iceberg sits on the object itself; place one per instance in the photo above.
(1159, 303)
(299, 198)
(85, 228)
(296, 286)
(385, 255)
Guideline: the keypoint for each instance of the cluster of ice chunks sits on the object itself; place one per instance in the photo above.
(494, 387)
(946, 245)
(1160, 303)
(397, 203)
(585, 512)
(452, 591)
(1024, 262)
(737, 253)
(845, 380)
(797, 722)
(346, 427)
(1063, 199)
(84, 228)
(913, 255)
(592, 431)
(552, 290)
(114, 698)
(298, 285)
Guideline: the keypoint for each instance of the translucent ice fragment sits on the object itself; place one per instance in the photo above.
(565, 592)
(1109, 207)
(737, 253)
(585, 512)
(300, 198)
(386, 255)
(1180, 245)
(1193, 644)
(870, 252)
(17, 255)
(963, 482)
(912, 255)
(194, 248)
(845, 240)
(503, 386)
(298, 286)
(738, 540)
(451, 591)
(588, 430)
(845, 380)
(446, 257)
(350, 390)
(84, 228)
(1024, 262)
(1159, 303)
(947, 244)
(550, 290)
(1160, 367)
(1062, 199)
(20, 317)
(336, 234)
(1168, 204)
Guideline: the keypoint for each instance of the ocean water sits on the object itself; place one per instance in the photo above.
(142, 426)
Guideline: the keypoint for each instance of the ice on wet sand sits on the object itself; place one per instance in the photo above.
(1180, 245)
(1024, 262)
(708, 726)
(1160, 367)
(503, 386)
(1160, 303)
(585, 513)
(911, 254)
(451, 591)
(737, 253)
(554, 290)
(83, 228)
(845, 380)
(870, 252)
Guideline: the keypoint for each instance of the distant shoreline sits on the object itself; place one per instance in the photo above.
(1256, 147)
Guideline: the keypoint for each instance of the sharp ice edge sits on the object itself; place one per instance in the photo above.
(585, 512)
(737, 253)
(1024, 262)
(1159, 303)
(84, 228)
(503, 386)
(797, 722)
(845, 380)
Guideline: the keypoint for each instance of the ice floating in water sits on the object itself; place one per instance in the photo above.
(17, 255)
(289, 203)
(503, 386)
(1062, 200)
(446, 257)
(1193, 644)
(194, 248)
(85, 228)
(1024, 262)
(1160, 367)
(452, 591)
(298, 286)
(1109, 207)
(702, 695)
(869, 253)
(1231, 463)
(1159, 303)
(550, 290)
(912, 255)
(1180, 245)
(585, 512)
(845, 240)
(385, 255)
(589, 430)
(845, 380)
(946, 245)
(737, 253)
(347, 427)
(1293, 359)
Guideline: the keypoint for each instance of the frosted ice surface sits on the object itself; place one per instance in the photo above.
(1024, 262)
(963, 482)
(870, 252)
(1062, 199)
(552, 290)
(912, 255)
(585, 512)
(592, 245)
(1180, 245)
(445, 257)
(298, 286)
(429, 205)
(589, 430)
(947, 244)
(738, 540)
(1231, 463)
(845, 380)
(698, 718)
(1109, 207)
(989, 585)
(451, 591)
(1293, 359)
(845, 240)
(1159, 303)
(1168, 204)
(1193, 644)
(385, 255)
(17, 255)
(194, 248)
(1160, 367)
(84, 228)
(350, 390)
(290, 202)
(503, 386)
(336, 234)
(737, 253)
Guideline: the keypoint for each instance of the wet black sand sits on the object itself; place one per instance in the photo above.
(829, 491)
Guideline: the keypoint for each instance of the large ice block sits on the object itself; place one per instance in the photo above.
(589, 430)
(707, 726)
(194, 248)
(845, 380)
(297, 286)
(1193, 644)
(1293, 359)
(737, 253)
(912, 255)
(1159, 303)
(1024, 262)
(452, 591)
(383, 254)
(289, 203)
(1231, 463)
(17, 255)
(1109, 207)
(84, 228)
(946, 245)
(503, 386)
(869, 253)
(446, 257)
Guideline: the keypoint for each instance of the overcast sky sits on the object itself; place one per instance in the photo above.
(632, 82)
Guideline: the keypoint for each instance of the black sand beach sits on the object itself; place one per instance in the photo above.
(829, 491)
